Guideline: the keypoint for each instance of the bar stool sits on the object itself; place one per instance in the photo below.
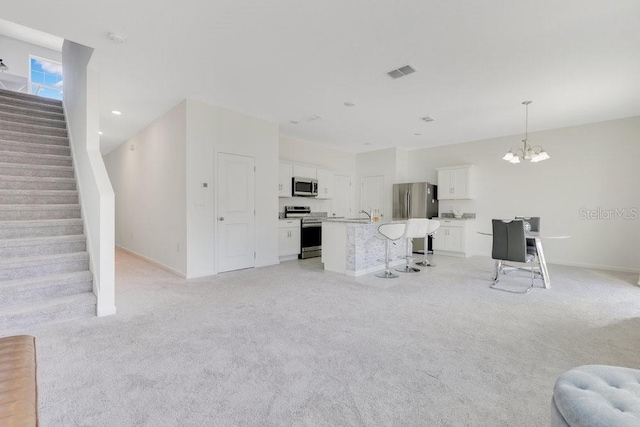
(432, 227)
(390, 231)
(416, 228)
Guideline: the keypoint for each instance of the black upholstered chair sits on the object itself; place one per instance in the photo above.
(534, 225)
(510, 244)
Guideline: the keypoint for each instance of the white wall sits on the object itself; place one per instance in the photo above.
(591, 166)
(212, 130)
(318, 156)
(15, 55)
(149, 184)
(82, 108)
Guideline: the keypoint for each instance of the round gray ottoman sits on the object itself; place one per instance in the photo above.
(597, 395)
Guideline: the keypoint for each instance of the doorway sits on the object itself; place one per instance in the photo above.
(235, 231)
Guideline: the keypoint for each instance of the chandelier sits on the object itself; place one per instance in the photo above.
(530, 153)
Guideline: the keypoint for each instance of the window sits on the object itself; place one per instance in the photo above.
(45, 78)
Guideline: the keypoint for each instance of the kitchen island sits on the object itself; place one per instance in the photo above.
(350, 247)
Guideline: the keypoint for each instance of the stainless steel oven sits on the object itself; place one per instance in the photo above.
(305, 187)
(310, 233)
(311, 238)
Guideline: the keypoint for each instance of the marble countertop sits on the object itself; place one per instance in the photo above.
(355, 221)
(453, 219)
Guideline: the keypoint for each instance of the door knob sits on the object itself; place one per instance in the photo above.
(221, 218)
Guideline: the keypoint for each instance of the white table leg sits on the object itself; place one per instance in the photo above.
(543, 264)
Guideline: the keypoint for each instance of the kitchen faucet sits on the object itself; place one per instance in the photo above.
(367, 214)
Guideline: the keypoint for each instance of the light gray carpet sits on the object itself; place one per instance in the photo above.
(292, 345)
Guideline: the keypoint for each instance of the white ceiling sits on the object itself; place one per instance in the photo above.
(282, 60)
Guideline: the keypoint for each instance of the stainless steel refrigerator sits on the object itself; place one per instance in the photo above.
(415, 200)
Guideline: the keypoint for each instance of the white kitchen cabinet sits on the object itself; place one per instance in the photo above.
(455, 183)
(452, 238)
(289, 238)
(325, 184)
(284, 181)
(302, 171)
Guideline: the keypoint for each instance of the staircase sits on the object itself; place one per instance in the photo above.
(44, 266)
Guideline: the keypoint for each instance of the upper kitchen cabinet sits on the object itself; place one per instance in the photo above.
(301, 171)
(455, 182)
(325, 184)
(284, 182)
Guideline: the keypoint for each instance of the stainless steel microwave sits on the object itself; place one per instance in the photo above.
(305, 187)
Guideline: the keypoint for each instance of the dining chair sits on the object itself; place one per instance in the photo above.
(534, 225)
(510, 244)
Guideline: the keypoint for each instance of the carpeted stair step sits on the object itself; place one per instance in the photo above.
(10, 116)
(22, 317)
(32, 129)
(8, 101)
(38, 197)
(28, 147)
(19, 169)
(39, 288)
(38, 212)
(36, 246)
(35, 159)
(36, 183)
(29, 97)
(30, 112)
(8, 104)
(40, 228)
(43, 265)
(7, 135)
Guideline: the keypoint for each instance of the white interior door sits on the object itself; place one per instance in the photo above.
(341, 204)
(372, 193)
(235, 246)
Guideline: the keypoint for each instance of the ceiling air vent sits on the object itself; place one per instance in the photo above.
(427, 119)
(401, 72)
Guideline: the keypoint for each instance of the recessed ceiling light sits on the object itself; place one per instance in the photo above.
(294, 122)
(313, 118)
(417, 134)
(117, 113)
(349, 104)
(427, 119)
(367, 143)
(116, 38)
(99, 132)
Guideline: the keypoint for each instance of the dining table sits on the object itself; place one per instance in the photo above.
(537, 238)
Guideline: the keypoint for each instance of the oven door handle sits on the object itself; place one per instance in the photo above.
(311, 225)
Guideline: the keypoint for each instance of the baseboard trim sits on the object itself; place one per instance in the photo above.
(586, 265)
(597, 267)
(374, 269)
(154, 262)
(105, 311)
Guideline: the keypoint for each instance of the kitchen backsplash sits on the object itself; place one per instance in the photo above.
(466, 215)
(316, 205)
